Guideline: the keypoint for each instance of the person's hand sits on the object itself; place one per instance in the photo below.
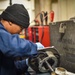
(39, 45)
(27, 62)
(33, 61)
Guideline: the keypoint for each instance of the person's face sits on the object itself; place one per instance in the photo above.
(14, 28)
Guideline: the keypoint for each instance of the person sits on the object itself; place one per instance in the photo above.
(12, 20)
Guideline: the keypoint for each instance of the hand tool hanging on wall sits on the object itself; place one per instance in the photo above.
(51, 13)
(37, 22)
(46, 17)
(41, 18)
(37, 16)
(52, 16)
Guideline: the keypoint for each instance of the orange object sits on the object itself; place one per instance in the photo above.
(52, 16)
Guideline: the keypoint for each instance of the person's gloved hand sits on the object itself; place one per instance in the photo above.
(39, 45)
(33, 61)
(27, 62)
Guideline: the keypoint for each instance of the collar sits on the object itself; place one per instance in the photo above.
(1, 26)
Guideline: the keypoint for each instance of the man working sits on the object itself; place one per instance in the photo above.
(12, 20)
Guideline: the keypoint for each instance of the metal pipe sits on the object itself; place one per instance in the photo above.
(10, 2)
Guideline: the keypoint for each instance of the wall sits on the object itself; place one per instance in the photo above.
(3, 4)
(54, 7)
(66, 9)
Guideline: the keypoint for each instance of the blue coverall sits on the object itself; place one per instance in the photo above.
(11, 47)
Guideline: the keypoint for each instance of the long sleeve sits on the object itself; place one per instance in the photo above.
(21, 66)
(13, 46)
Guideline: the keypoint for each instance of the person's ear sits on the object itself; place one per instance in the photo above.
(10, 23)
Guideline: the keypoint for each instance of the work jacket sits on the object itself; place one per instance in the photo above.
(11, 48)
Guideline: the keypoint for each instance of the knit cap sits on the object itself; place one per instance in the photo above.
(17, 14)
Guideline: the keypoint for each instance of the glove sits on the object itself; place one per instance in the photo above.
(27, 62)
(39, 45)
(33, 61)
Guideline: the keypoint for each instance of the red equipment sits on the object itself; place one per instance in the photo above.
(51, 16)
(39, 34)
